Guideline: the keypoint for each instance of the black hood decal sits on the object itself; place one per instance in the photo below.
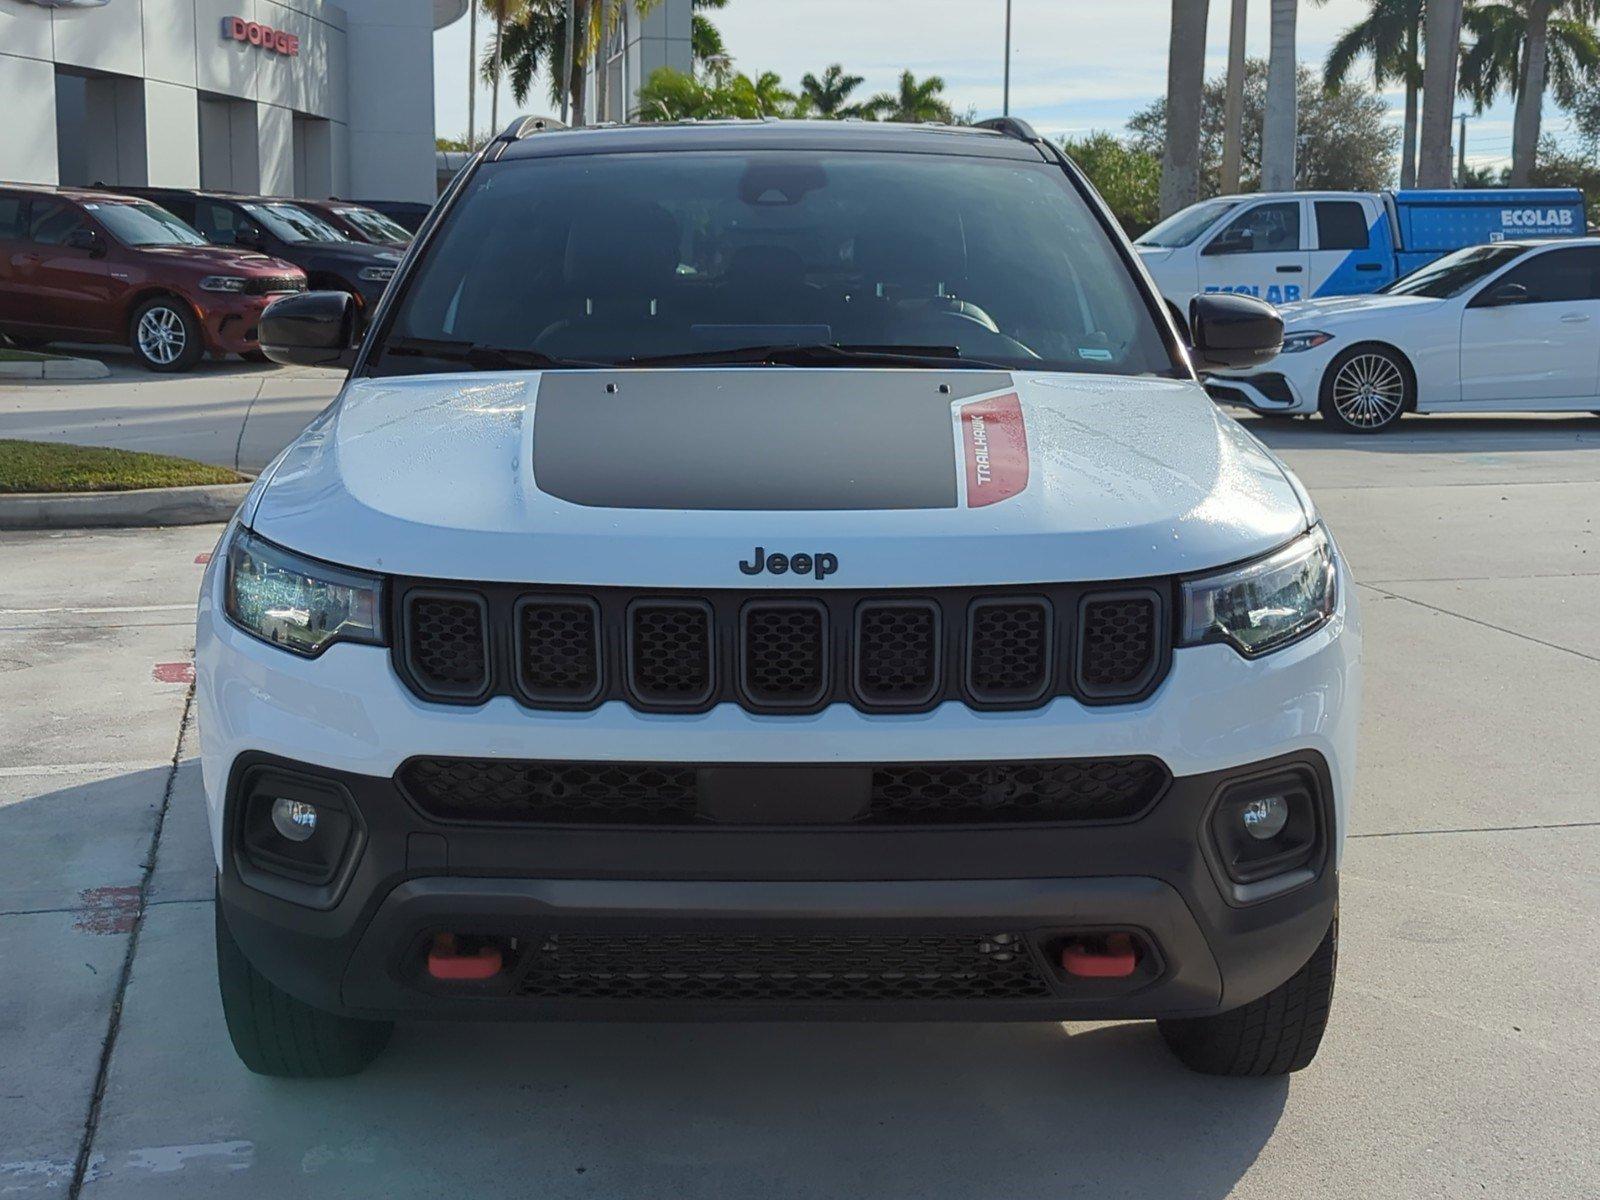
(760, 439)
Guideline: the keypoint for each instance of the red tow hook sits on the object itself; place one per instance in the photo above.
(1108, 956)
(446, 961)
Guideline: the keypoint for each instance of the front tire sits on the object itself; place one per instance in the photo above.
(1367, 389)
(165, 336)
(275, 1034)
(1274, 1035)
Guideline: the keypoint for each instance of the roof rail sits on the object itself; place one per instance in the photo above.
(522, 127)
(1010, 126)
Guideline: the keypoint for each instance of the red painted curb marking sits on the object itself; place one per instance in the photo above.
(175, 672)
(106, 910)
(202, 558)
(995, 443)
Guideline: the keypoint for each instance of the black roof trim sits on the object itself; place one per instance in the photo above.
(1010, 126)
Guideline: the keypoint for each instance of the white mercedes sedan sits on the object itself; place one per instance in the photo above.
(1505, 327)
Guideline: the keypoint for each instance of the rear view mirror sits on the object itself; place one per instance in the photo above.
(312, 329)
(1231, 331)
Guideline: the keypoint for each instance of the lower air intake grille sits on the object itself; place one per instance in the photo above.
(1119, 643)
(783, 967)
(446, 645)
(1057, 791)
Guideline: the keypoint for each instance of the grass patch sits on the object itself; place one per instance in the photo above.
(9, 355)
(48, 467)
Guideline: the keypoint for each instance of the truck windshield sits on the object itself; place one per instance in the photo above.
(376, 226)
(144, 225)
(1182, 227)
(749, 256)
(294, 224)
(1454, 273)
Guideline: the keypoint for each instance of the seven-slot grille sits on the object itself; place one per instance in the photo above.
(545, 792)
(768, 652)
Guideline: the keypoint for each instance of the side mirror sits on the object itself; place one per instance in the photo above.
(84, 238)
(249, 235)
(1503, 295)
(311, 329)
(1232, 241)
(1231, 331)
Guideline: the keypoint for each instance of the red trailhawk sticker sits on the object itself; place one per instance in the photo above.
(994, 442)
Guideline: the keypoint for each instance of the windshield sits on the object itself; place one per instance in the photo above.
(1454, 273)
(293, 224)
(144, 225)
(375, 225)
(613, 258)
(1184, 226)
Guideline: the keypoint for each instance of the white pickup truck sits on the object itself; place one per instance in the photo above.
(1288, 246)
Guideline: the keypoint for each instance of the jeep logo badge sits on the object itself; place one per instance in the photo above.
(820, 565)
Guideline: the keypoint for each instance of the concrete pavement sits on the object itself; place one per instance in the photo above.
(1460, 1058)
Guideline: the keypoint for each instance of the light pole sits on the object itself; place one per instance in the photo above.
(566, 65)
(472, 74)
(1005, 102)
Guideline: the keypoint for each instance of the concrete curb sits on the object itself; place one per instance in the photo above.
(206, 504)
(54, 368)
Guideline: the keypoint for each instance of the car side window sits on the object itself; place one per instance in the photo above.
(180, 207)
(10, 217)
(1341, 225)
(1557, 276)
(212, 219)
(50, 221)
(1265, 229)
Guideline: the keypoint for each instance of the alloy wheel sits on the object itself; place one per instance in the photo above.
(161, 335)
(1369, 391)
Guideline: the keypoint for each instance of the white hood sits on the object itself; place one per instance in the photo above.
(1333, 310)
(1045, 477)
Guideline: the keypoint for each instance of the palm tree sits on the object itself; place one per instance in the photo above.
(1391, 37)
(536, 39)
(914, 102)
(1279, 125)
(1233, 104)
(1525, 47)
(830, 95)
(502, 11)
(610, 15)
(1442, 39)
(706, 44)
(1186, 80)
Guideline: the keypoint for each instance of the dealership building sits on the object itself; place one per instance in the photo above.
(285, 97)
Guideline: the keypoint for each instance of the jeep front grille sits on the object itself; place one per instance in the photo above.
(987, 648)
(782, 967)
(1050, 791)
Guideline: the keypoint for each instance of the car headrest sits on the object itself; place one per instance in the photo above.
(621, 250)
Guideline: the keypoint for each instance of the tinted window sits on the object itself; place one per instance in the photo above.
(294, 224)
(1341, 225)
(375, 225)
(213, 219)
(49, 222)
(144, 225)
(181, 207)
(10, 216)
(616, 256)
(1454, 273)
(1266, 228)
(1557, 276)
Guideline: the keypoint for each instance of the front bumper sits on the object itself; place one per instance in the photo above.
(346, 717)
(231, 322)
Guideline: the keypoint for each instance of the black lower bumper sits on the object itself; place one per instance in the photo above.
(358, 944)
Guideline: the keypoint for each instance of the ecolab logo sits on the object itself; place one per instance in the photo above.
(257, 34)
(1538, 218)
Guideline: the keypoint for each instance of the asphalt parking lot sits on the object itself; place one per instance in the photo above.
(1461, 1057)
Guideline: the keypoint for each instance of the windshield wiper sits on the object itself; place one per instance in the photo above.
(821, 354)
(480, 356)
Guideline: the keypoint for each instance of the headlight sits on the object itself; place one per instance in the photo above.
(222, 283)
(1294, 343)
(297, 603)
(375, 274)
(1266, 604)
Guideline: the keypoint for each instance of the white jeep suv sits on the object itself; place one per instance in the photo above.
(775, 570)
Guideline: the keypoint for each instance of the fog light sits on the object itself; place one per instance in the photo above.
(1263, 818)
(297, 820)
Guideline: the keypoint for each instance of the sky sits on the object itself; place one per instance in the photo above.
(1076, 66)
